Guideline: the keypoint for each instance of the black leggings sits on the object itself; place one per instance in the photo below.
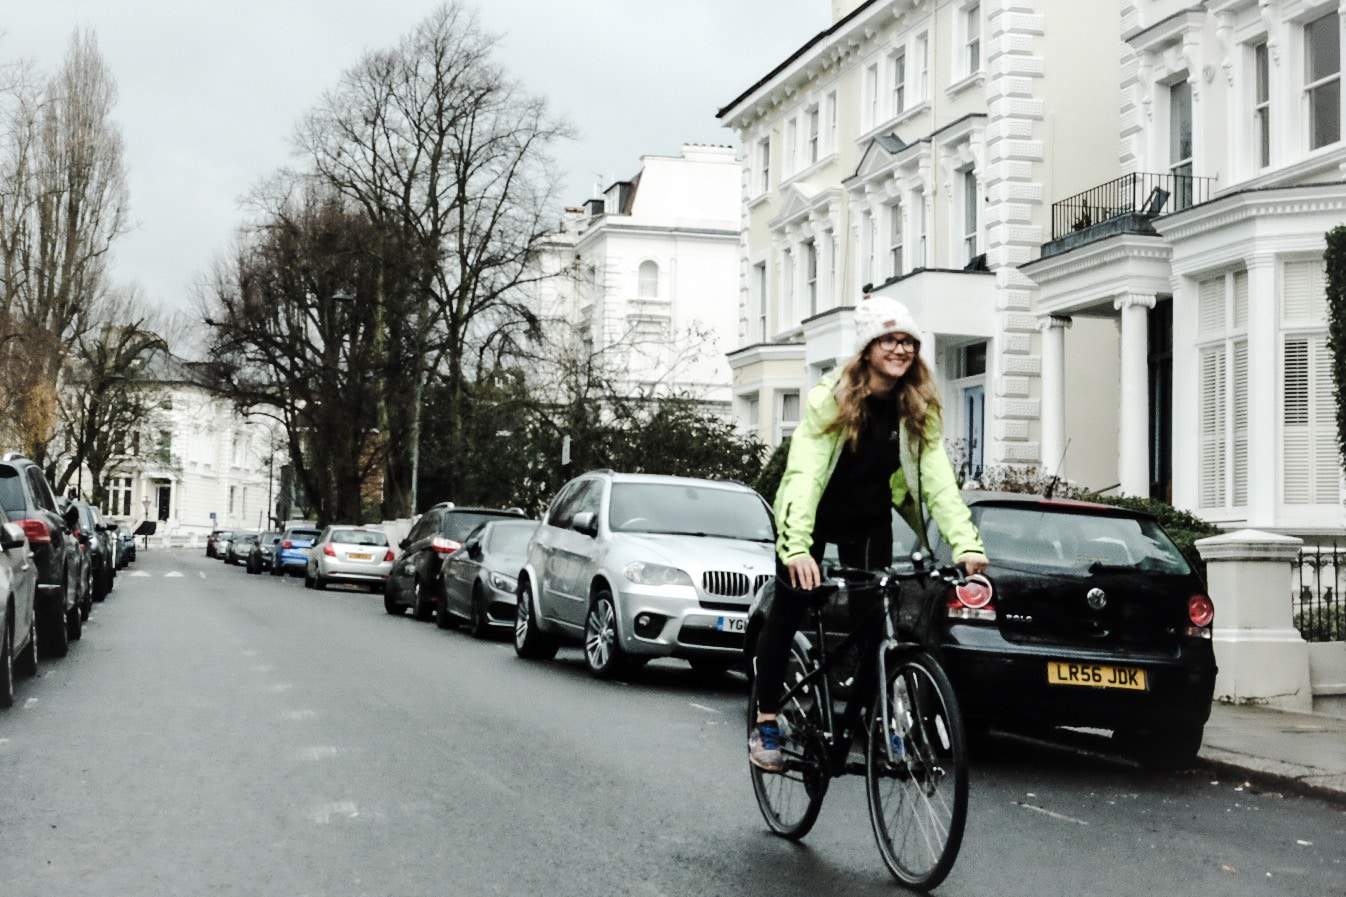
(787, 609)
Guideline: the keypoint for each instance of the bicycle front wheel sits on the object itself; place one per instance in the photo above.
(918, 793)
(790, 799)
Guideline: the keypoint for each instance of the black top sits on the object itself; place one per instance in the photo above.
(858, 497)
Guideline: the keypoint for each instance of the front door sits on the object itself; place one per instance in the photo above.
(165, 494)
(974, 422)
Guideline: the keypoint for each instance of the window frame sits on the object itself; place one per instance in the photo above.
(830, 108)
(813, 133)
(896, 235)
(923, 50)
(764, 162)
(1311, 87)
(972, 29)
(811, 275)
(971, 237)
(641, 281)
(1261, 105)
(899, 81)
(782, 423)
(1225, 342)
(871, 88)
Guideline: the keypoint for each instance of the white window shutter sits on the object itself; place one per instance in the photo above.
(1296, 448)
(1326, 466)
(1239, 402)
(1212, 422)
(1304, 292)
(1210, 307)
(1241, 300)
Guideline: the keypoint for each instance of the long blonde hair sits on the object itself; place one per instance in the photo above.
(915, 395)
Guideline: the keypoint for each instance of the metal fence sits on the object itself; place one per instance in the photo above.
(1140, 193)
(1315, 598)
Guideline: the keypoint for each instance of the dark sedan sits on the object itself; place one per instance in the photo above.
(239, 548)
(416, 578)
(262, 552)
(481, 579)
(1097, 620)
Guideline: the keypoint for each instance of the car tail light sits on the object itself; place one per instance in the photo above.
(389, 556)
(329, 551)
(287, 544)
(1201, 611)
(973, 600)
(36, 530)
(442, 545)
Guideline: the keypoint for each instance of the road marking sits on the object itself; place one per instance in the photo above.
(279, 687)
(703, 707)
(325, 813)
(30, 702)
(1045, 812)
(137, 573)
(299, 714)
(317, 752)
(4, 741)
(172, 574)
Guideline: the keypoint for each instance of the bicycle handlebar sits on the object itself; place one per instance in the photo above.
(842, 577)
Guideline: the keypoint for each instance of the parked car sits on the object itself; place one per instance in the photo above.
(18, 609)
(481, 578)
(292, 553)
(214, 542)
(636, 566)
(262, 553)
(99, 552)
(28, 500)
(128, 545)
(415, 581)
(350, 554)
(1096, 620)
(239, 547)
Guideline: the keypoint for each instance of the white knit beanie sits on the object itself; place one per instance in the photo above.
(878, 315)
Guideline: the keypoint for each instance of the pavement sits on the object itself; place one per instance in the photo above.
(218, 733)
(1302, 751)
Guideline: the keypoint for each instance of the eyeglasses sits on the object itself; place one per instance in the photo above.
(891, 343)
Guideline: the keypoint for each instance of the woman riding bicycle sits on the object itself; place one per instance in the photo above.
(871, 439)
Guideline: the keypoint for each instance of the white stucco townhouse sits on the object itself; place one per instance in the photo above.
(1207, 243)
(912, 148)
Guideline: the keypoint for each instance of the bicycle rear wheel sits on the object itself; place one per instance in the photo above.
(918, 801)
(790, 800)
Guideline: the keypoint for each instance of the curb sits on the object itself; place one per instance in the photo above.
(1302, 780)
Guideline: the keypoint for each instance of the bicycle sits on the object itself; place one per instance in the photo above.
(915, 751)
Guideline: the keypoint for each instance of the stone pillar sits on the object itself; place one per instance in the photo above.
(1053, 329)
(1261, 656)
(1264, 404)
(1133, 462)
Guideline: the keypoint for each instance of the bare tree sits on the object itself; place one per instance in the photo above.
(439, 146)
(63, 203)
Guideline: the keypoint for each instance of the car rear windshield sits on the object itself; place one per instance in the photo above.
(457, 524)
(511, 538)
(358, 537)
(309, 534)
(11, 491)
(680, 509)
(1060, 540)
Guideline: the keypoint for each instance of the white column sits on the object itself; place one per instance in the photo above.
(1053, 329)
(1263, 382)
(1133, 467)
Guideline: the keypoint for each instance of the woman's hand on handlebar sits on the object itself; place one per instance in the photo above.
(973, 562)
(804, 572)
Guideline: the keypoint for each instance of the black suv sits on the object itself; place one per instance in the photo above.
(100, 551)
(415, 581)
(55, 541)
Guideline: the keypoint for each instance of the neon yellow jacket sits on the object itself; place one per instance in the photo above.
(814, 454)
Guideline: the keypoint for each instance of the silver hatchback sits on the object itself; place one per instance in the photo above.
(351, 554)
(637, 566)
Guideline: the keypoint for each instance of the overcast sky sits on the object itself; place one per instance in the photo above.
(210, 91)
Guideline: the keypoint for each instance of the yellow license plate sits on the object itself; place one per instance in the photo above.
(1096, 675)
(359, 557)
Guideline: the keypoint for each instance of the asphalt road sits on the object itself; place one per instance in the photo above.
(218, 733)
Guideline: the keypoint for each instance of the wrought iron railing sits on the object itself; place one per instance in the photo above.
(1315, 598)
(1143, 194)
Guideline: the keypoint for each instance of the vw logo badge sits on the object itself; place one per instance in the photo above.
(1097, 599)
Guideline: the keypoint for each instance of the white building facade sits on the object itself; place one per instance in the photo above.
(196, 464)
(1207, 246)
(647, 274)
(910, 150)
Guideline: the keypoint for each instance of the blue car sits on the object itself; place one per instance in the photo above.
(292, 552)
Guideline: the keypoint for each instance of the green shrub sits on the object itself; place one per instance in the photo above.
(1183, 528)
(1322, 624)
(768, 481)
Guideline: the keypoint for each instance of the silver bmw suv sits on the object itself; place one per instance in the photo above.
(636, 566)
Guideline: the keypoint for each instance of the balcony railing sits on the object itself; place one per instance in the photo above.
(1143, 195)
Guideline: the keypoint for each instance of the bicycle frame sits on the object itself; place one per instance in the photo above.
(838, 742)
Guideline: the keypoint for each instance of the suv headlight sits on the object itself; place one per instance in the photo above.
(656, 575)
(502, 582)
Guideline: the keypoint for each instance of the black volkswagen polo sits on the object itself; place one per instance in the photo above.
(1097, 620)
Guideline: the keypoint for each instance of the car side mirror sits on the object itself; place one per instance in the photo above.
(11, 536)
(403, 544)
(585, 522)
(71, 517)
(474, 552)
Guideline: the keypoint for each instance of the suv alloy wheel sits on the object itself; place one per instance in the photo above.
(529, 641)
(602, 647)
